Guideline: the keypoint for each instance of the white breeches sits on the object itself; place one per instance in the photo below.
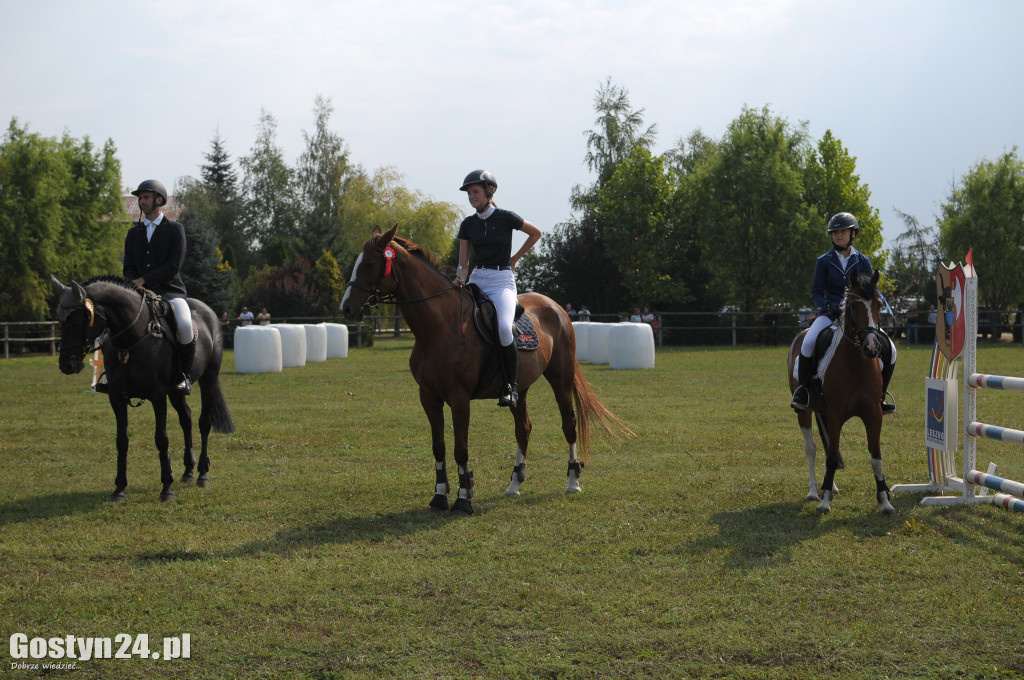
(500, 286)
(183, 318)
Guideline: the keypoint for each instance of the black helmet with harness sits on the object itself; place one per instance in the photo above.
(484, 177)
(843, 220)
(154, 186)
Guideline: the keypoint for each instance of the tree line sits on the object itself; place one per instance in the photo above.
(731, 222)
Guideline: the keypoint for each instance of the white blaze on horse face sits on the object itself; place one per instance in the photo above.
(348, 288)
(872, 341)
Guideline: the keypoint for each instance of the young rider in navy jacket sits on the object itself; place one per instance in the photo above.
(831, 275)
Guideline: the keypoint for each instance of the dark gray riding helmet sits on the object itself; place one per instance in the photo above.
(484, 177)
(843, 220)
(154, 186)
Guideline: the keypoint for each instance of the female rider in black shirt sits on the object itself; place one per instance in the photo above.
(489, 232)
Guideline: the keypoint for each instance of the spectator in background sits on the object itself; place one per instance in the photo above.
(649, 318)
(263, 317)
(635, 316)
(570, 311)
(227, 331)
(771, 322)
(802, 315)
(912, 326)
(584, 313)
(245, 317)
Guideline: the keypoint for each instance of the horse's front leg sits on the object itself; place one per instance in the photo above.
(120, 408)
(460, 425)
(831, 429)
(185, 421)
(873, 430)
(434, 408)
(811, 450)
(161, 442)
(523, 428)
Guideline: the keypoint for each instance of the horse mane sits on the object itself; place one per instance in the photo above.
(116, 280)
(420, 252)
(863, 287)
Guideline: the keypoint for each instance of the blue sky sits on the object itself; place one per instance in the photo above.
(917, 91)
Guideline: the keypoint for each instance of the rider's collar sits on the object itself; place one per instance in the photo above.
(486, 213)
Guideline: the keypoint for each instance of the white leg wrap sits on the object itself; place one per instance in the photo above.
(513, 487)
(573, 485)
(811, 450)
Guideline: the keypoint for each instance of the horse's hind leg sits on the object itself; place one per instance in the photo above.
(523, 429)
(564, 399)
(185, 421)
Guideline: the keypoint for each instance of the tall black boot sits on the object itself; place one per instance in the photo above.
(801, 397)
(510, 367)
(186, 357)
(887, 371)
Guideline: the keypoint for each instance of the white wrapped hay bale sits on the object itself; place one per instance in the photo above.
(293, 344)
(631, 345)
(597, 342)
(582, 336)
(337, 340)
(257, 349)
(316, 343)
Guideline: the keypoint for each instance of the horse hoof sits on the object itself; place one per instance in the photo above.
(166, 496)
(888, 510)
(574, 489)
(812, 497)
(462, 508)
(440, 502)
(187, 478)
(203, 482)
(824, 509)
(117, 497)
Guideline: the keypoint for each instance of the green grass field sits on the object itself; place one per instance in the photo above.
(690, 554)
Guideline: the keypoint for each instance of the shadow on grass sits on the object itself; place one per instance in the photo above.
(374, 528)
(764, 535)
(49, 506)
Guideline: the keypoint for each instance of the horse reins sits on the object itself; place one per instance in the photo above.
(376, 298)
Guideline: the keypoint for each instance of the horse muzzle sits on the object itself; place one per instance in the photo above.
(70, 365)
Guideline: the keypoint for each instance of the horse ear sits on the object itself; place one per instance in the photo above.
(58, 287)
(388, 237)
(376, 231)
(874, 279)
(79, 292)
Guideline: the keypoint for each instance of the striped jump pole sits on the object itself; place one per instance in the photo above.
(1009, 488)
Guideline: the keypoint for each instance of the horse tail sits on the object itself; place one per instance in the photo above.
(220, 418)
(589, 407)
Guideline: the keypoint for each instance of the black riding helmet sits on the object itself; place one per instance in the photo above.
(154, 186)
(484, 177)
(843, 220)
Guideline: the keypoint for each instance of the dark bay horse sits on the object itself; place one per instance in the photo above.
(448, 353)
(851, 387)
(139, 365)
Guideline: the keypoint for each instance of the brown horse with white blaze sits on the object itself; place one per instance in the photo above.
(851, 387)
(448, 355)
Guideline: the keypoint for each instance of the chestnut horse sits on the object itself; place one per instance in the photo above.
(139, 366)
(851, 387)
(448, 355)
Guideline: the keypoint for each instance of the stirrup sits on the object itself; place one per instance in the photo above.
(509, 397)
(184, 387)
(800, 405)
(887, 408)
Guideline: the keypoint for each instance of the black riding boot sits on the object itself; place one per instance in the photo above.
(186, 356)
(510, 367)
(887, 370)
(801, 397)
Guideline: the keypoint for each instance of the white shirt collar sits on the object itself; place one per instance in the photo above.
(486, 213)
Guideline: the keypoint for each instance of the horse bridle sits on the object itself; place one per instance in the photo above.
(860, 335)
(377, 298)
(87, 342)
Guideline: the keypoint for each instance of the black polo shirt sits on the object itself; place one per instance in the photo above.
(491, 238)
